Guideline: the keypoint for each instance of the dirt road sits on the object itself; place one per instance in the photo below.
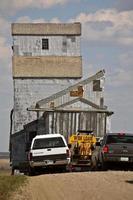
(111, 185)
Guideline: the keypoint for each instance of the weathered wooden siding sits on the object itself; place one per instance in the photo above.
(28, 92)
(67, 123)
(39, 73)
(47, 67)
(46, 29)
(88, 100)
(18, 146)
(58, 46)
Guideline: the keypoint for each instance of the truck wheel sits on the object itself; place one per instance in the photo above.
(104, 166)
(31, 172)
(94, 164)
(64, 169)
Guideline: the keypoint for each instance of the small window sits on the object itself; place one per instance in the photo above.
(45, 44)
(64, 43)
(96, 86)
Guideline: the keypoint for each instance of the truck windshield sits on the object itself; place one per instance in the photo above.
(119, 139)
(48, 143)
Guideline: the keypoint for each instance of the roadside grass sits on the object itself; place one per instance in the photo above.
(10, 184)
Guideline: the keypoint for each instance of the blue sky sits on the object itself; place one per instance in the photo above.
(107, 43)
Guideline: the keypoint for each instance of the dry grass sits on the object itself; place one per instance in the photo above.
(9, 184)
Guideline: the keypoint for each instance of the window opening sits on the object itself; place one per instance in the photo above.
(45, 44)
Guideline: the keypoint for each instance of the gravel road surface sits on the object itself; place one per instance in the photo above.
(110, 185)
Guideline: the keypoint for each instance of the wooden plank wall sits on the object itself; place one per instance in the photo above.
(67, 123)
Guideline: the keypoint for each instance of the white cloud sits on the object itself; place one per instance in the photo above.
(124, 5)
(103, 26)
(126, 59)
(5, 47)
(108, 26)
(26, 19)
(11, 7)
(23, 19)
(5, 27)
(123, 75)
(121, 78)
(47, 3)
(55, 20)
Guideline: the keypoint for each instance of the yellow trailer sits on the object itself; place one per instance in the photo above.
(81, 144)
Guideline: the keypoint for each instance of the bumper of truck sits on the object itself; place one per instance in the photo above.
(121, 158)
(47, 163)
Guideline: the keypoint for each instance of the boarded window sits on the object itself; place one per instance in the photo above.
(72, 38)
(64, 44)
(45, 44)
(96, 86)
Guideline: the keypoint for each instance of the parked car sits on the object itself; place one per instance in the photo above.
(115, 148)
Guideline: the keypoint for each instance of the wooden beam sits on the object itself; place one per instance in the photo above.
(88, 102)
(65, 91)
(70, 110)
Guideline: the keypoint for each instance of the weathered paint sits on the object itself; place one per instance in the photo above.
(35, 70)
(47, 66)
(32, 46)
(67, 122)
(46, 28)
(90, 99)
(28, 91)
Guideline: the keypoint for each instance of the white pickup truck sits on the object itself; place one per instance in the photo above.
(47, 152)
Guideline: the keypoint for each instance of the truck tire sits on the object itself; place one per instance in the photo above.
(104, 166)
(31, 171)
(64, 169)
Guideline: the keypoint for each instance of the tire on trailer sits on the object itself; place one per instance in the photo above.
(94, 164)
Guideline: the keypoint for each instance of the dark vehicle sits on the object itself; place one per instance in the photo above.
(115, 149)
